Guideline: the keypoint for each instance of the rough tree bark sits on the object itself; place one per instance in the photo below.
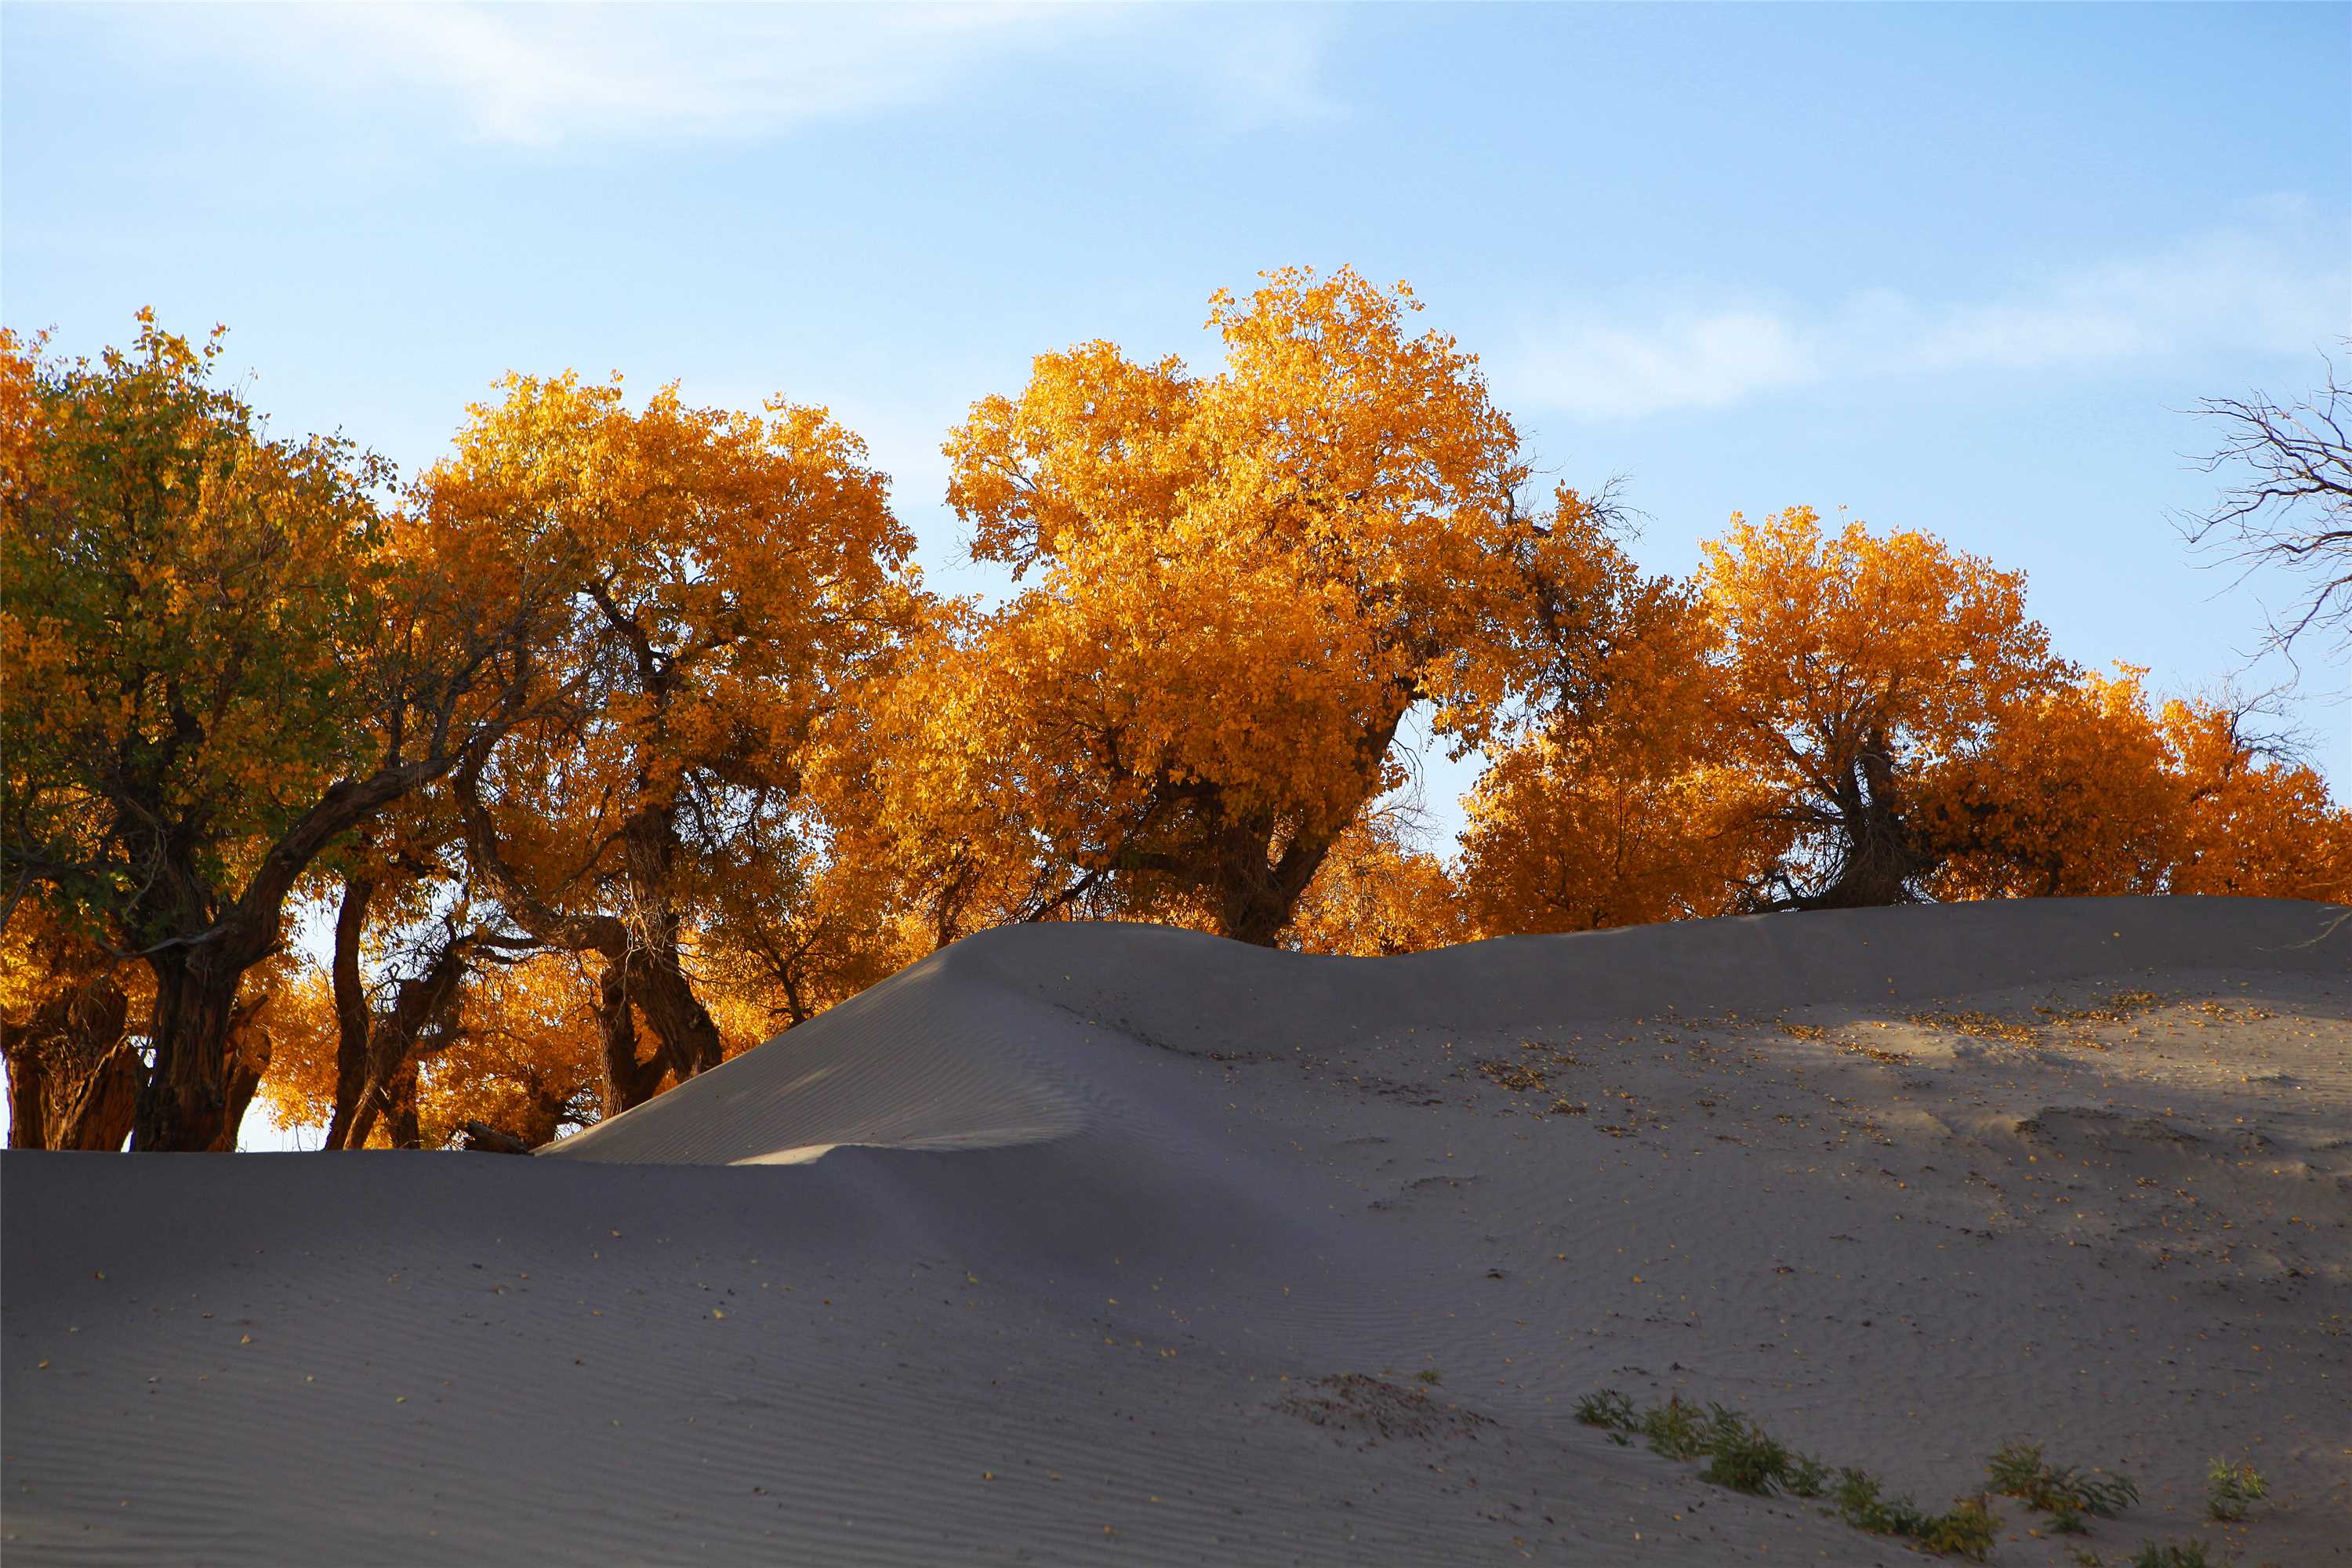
(389, 1085)
(1880, 857)
(73, 1077)
(354, 1021)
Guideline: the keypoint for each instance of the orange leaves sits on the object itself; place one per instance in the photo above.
(2092, 790)
(2255, 822)
(1375, 896)
(2072, 796)
(1849, 635)
(1240, 584)
(1850, 662)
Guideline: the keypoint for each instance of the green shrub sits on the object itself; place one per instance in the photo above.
(1674, 1429)
(2021, 1471)
(1966, 1532)
(1608, 1408)
(2230, 1490)
(1805, 1476)
(1742, 1455)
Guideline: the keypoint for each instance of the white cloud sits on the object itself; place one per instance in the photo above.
(1593, 366)
(541, 75)
(2281, 287)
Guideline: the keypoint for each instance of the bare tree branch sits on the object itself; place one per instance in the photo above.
(2293, 511)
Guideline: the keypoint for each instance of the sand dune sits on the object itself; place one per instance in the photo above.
(1116, 1244)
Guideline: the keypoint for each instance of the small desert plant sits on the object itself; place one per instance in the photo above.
(2230, 1490)
(2018, 1470)
(2189, 1553)
(1805, 1476)
(1741, 1455)
(1964, 1532)
(1429, 1374)
(1674, 1429)
(1608, 1408)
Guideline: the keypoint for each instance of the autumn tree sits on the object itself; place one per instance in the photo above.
(1617, 805)
(515, 1048)
(730, 579)
(2257, 822)
(2093, 789)
(1376, 895)
(1851, 665)
(224, 655)
(66, 1008)
(2073, 794)
(1237, 586)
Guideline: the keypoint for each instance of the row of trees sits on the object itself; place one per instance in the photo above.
(620, 737)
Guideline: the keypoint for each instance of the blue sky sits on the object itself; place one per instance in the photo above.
(1959, 270)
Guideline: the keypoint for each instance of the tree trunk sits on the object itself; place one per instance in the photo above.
(184, 1105)
(406, 1133)
(1257, 896)
(249, 1059)
(642, 970)
(353, 1020)
(1878, 852)
(628, 1082)
(390, 1053)
(73, 1078)
(689, 1039)
(657, 980)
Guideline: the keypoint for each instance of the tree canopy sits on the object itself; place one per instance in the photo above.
(625, 734)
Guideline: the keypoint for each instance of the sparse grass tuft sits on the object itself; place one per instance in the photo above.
(1674, 1430)
(1966, 1530)
(1742, 1455)
(2018, 1470)
(2184, 1553)
(2230, 1490)
(1805, 1476)
(1608, 1408)
(1429, 1374)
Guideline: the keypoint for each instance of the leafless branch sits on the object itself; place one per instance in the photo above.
(2292, 510)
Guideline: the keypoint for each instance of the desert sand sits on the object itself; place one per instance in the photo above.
(1099, 1243)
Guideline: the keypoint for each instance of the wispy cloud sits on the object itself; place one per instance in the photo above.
(543, 75)
(2279, 286)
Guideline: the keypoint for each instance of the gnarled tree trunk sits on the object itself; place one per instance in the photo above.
(185, 1103)
(73, 1077)
(354, 1021)
(627, 1081)
(390, 1087)
(1879, 855)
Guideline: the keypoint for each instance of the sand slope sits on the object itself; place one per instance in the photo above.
(1116, 1244)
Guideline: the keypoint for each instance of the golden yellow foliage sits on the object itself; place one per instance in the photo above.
(1374, 896)
(1239, 586)
(2073, 796)
(733, 577)
(2256, 824)
(1617, 809)
(1851, 665)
